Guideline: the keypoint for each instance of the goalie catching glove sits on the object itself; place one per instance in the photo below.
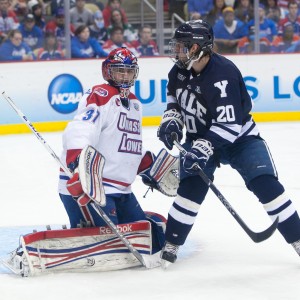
(163, 174)
(171, 124)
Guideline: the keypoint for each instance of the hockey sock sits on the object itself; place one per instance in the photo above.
(272, 195)
(184, 210)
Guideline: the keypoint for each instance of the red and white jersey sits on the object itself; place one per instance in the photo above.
(114, 130)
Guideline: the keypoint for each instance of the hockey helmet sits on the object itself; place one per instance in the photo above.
(120, 68)
(186, 35)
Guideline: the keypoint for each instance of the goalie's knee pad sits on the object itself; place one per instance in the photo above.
(158, 228)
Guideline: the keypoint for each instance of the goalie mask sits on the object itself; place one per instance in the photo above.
(120, 68)
(186, 35)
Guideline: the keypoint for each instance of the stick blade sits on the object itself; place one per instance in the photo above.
(258, 237)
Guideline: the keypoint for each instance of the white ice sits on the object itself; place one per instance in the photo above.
(218, 261)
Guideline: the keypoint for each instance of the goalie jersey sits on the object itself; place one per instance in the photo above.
(112, 128)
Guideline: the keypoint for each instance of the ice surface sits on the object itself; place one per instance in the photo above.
(218, 261)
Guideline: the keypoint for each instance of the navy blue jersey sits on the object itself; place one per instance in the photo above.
(215, 104)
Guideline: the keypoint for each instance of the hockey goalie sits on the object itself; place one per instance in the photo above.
(103, 150)
(89, 248)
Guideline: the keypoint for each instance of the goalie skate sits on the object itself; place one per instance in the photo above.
(17, 263)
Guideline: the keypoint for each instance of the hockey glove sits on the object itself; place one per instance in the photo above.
(198, 156)
(75, 189)
(73, 184)
(162, 175)
(171, 123)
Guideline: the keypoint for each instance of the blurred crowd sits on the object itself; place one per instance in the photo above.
(35, 29)
(234, 28)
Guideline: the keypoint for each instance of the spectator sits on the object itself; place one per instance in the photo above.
(228, 31)
(79, 15)
(116, 40)
(19, 7)
(56, 4)
(291, 18)
(296, 47)
(36, 9)
(267, 27)
(145, 45)
(273, 11)
(32, 35)
(15, 49)
(202, 7)
(51, 49)
(117, 21)
(283, 5)
(244, 10)
(246, 45)
(83, 46)
(286, 42)
(8, 19)
(98, 3)
(97, 30)
(113, 4)
(57, 26)
(216, 12)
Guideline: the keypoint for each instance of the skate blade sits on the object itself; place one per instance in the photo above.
(165, 264)
(152, 261)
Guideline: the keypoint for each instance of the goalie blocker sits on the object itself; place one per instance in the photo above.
(83, 249)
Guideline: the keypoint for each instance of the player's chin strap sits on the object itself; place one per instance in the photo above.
(193, 59)
(255, 236)
(144, 260)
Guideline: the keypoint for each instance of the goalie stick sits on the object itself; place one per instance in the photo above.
(256, 237)
(145, 261)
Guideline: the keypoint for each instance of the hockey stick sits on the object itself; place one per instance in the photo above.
(145, 262)
(256, 237)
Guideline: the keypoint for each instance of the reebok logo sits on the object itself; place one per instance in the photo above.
(122, 228)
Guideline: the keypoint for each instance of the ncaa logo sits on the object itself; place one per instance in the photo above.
(64, 93)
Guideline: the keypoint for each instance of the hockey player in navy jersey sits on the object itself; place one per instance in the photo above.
(207, 95)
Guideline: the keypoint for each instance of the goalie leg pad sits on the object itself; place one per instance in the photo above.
(80, 250)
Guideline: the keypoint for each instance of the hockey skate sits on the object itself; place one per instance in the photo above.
(296, 246)
(17, 263)
(168, 254)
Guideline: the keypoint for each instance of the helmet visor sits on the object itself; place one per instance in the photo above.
(178, 51)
